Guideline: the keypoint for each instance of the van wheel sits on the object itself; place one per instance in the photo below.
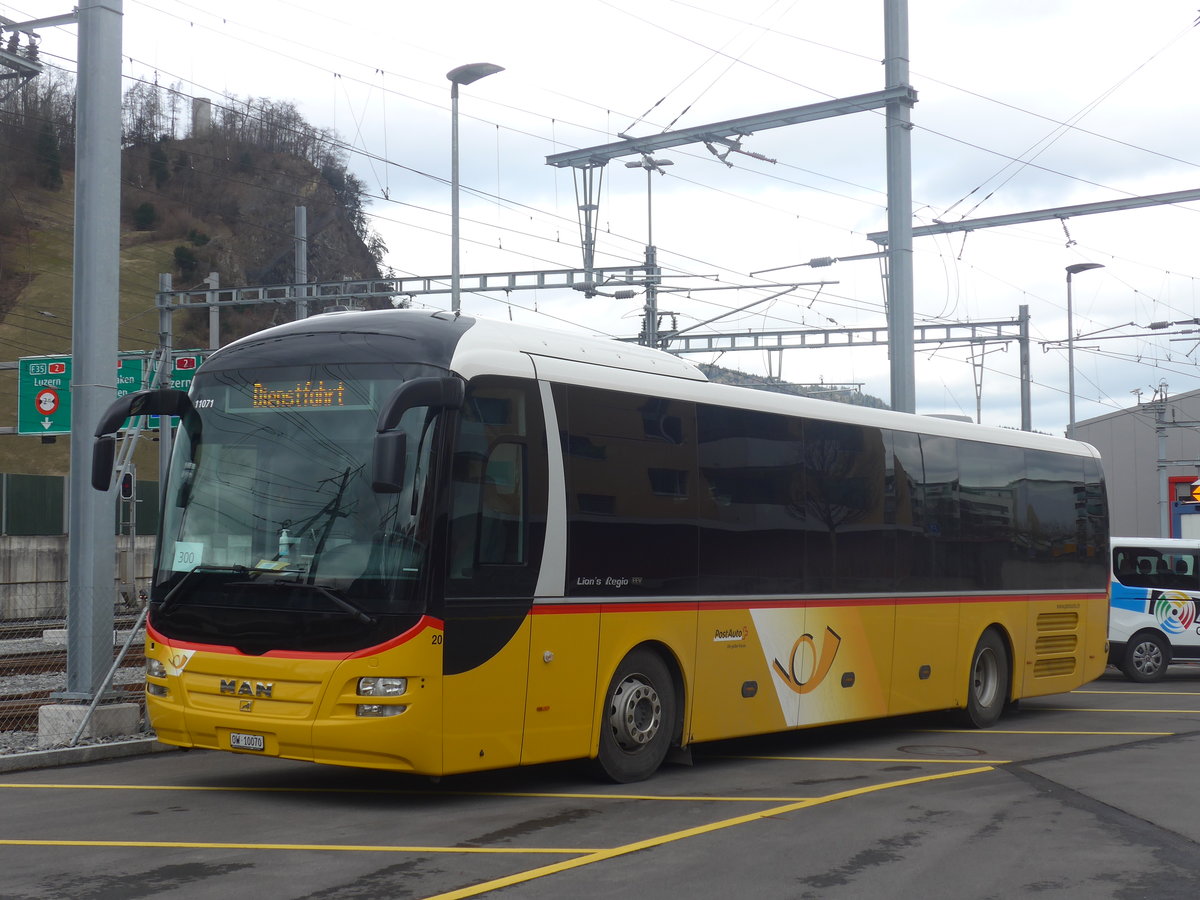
(988, 681)
(639, 718)
(1146, 658)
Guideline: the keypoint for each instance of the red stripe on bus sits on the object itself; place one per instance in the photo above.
(425, 623)
(763, 603)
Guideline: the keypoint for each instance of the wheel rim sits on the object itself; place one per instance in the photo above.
(1147, 657)
(985, 679)
(636, 713)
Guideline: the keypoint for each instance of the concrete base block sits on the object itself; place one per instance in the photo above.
(58, 722)
(55, 637)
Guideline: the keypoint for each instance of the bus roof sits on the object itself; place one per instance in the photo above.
(470, 346)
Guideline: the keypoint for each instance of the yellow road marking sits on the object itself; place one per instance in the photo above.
(1147, 694)
(602, 855)
(233, 845)
(973, 761)
(1065, 733)
(582, 856)
(302, 790)
(1091, 710)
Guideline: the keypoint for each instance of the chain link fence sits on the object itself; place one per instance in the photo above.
(39, 654)
(39, 709)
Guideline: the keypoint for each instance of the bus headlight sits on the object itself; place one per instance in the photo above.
(375, 711)
(155, 669)
(381, 687)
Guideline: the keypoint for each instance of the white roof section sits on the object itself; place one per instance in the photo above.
(498, 347)
(489, 345)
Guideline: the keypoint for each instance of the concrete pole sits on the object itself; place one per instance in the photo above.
(301, 261)
(91, 567)
(899, 213)
(1026, 405)
(1164, 496)
(214, 312)
(166, 363)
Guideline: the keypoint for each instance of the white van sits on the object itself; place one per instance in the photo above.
(1153, 595)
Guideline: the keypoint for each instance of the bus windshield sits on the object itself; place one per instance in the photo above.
(272, 535)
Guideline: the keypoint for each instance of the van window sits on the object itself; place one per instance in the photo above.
(1150, 568)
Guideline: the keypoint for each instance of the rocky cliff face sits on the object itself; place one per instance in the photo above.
(189, 207)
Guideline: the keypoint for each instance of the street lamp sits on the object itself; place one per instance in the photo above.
(1073, 270)
(467, 74)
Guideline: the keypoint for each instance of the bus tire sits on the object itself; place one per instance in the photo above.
(1146, 658)
(987, 681)
(639, 718)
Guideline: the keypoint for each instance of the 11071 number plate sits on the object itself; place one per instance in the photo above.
(246, 741)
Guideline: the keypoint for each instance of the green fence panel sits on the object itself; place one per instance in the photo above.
(34, 504)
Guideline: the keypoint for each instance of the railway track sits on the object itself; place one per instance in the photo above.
(20, 713)
(19, 702)
(42, 661)
(24, 629)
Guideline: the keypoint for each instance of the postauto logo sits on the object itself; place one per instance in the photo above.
(1175, 612)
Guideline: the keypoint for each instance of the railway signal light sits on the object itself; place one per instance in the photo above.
(128, 484)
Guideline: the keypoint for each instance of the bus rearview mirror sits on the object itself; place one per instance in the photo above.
(154, 402)
(387, 462)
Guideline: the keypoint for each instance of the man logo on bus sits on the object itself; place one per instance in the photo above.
(822, 662)
(1175, 611)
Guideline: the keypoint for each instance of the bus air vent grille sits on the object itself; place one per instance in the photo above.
(1057, 621)
(1056, 644)
(1060, 665)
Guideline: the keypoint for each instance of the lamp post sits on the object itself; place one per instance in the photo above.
(1073, 270)
(467, 74)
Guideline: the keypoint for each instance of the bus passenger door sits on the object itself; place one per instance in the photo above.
(562, 682)
(496, 532)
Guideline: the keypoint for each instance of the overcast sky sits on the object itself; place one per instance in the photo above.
(1022, 105)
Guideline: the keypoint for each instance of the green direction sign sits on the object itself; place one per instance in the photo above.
(44, 388)
(44, 395)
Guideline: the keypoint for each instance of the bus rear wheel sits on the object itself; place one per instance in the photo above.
(1146, 658)
(639, 718)
(988, 681)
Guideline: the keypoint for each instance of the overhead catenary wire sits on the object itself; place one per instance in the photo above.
(507, 244)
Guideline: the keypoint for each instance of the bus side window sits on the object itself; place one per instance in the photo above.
(502, 507)
(497, 491)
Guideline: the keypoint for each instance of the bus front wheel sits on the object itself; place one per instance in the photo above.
(1146, 658)
(639, 718)
(988, 681)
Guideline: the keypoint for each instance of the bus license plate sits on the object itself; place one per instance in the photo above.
(246, 741)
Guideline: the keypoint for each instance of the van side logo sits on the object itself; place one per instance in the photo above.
(822, 662)
(1175, 611)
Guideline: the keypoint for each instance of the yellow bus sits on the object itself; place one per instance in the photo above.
(432, 543)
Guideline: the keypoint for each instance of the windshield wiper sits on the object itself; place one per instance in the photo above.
(341, 602)
(171, 599)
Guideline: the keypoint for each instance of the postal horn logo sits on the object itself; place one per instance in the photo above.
(1175, 611)
(822, 661)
